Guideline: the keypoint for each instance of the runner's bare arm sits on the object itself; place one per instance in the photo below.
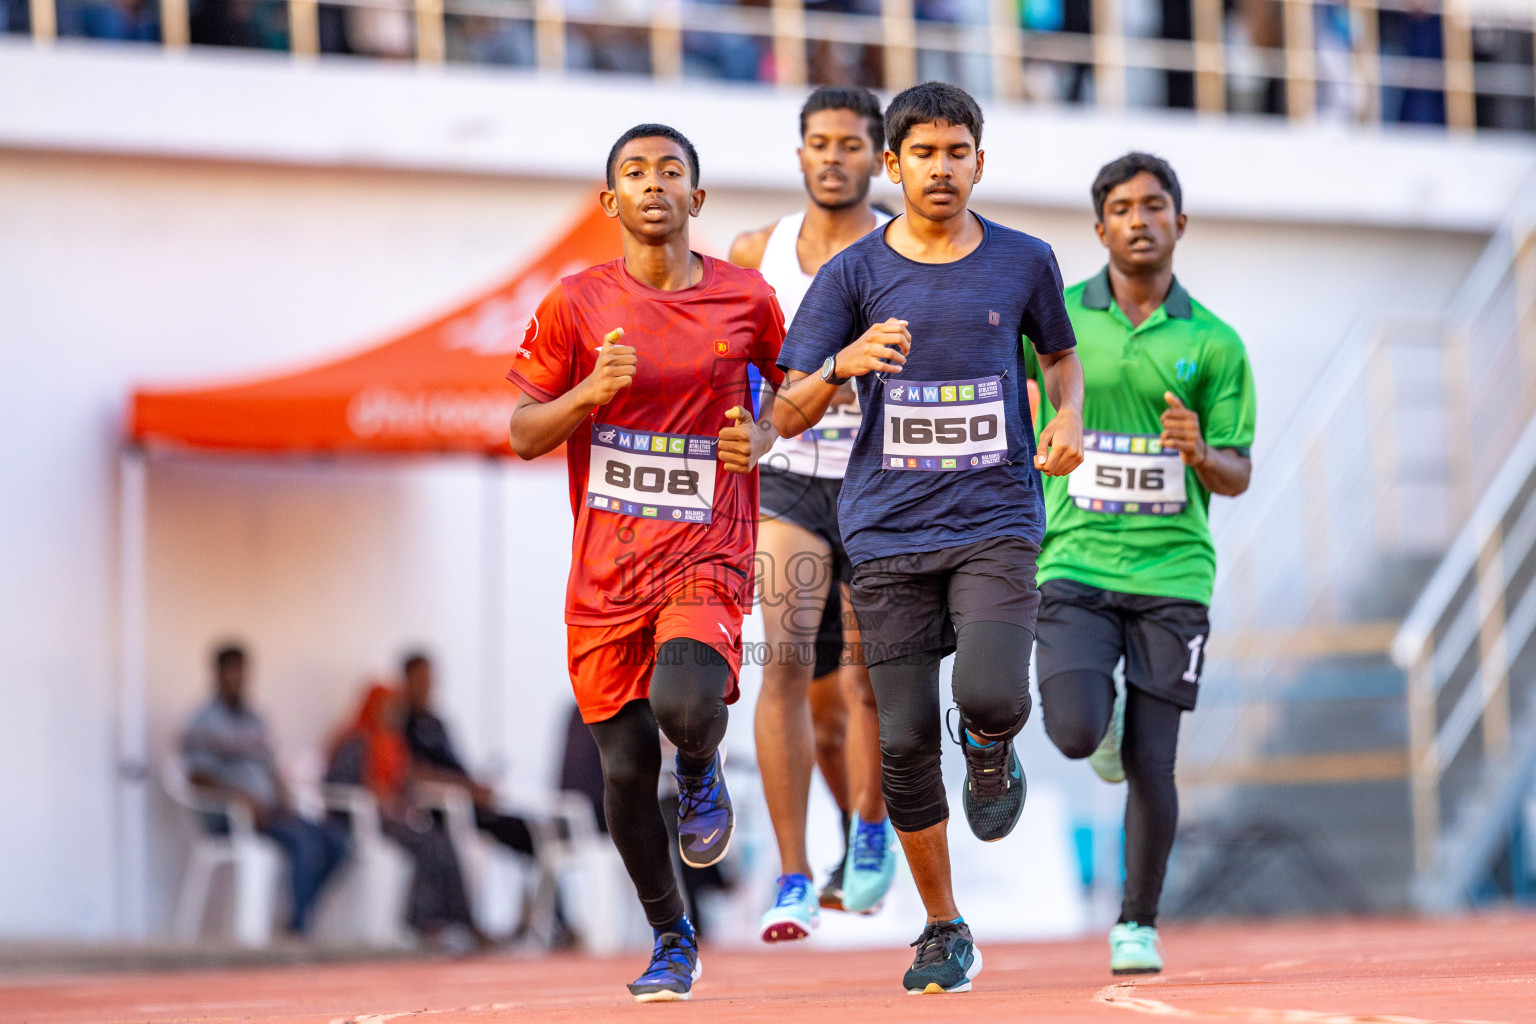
(538, 428)
(747, 250)
(804, 398)
(1221, 470)
(1060, 450)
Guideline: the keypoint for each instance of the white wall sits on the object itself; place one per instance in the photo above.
(118, 269)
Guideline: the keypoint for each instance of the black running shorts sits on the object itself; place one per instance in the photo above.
(809, 502)
(909, 604)
(1086, 629)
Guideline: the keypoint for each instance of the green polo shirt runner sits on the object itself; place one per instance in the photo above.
(1097, 532)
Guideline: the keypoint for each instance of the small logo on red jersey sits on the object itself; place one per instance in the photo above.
(529, 334)
(993, 318)
(721, 346)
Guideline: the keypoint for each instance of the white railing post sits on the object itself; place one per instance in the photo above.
(1493, 653)
(549, 34)
(788, 42)
(45, 21)
(431, 35)
(666, 40)
(303, 28)
(1108, 55)
(1210, 56)
(898, 24)
(1424, 769)
(1007, 51)
(1300, 61)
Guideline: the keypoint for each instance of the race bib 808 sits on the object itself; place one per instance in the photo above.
(1128, 474)
(666, 477)
(945, 426)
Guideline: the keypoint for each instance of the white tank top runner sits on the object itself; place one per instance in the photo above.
(823, 450)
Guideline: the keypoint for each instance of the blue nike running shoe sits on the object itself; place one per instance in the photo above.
(705, 820)
(674, 968)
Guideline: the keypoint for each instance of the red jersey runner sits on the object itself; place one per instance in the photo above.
(633, 549)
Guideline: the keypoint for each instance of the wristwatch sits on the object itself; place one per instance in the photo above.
(827, 375)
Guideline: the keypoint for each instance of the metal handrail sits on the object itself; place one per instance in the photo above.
(999, 37)
(1288, 476)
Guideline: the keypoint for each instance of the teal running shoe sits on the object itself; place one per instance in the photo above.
(947, 959)
(674, 968)
(1106, 759)
(870, 866)
(705, 819)
(1134, 949)
(794, 914)
(994, 787)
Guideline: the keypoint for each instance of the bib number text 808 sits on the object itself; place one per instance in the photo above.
(650, 480)
(944, 430)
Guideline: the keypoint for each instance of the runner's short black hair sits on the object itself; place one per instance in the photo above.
(930, 103)
(1117, 172)
(846, 97)
(413, 658)
(228, 654)
(654, 131)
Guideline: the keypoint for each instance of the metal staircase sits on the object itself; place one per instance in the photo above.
(1471, 663)
(1304, 719)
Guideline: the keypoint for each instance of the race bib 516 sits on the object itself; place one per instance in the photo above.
(666, 477)
(1128, 474)
(945, 426)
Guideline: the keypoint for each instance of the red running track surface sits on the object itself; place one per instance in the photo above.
(1348, 972)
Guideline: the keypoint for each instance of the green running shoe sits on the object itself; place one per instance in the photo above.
(1134, 949)
(947, 959)
(1106, 759)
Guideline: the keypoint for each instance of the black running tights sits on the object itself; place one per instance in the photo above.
(687, 704)
(991, 687)
(1077, 707)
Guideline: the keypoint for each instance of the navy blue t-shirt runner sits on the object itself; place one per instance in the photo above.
(958, 482)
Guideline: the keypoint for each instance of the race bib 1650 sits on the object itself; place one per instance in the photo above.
(945, 426)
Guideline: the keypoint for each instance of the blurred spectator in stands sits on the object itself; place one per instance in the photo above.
(124, 20)
(434, 759)
(728, 56)
(1507, 51)
(1340, 97)
(15, 16)
(480, 40)
(1414, 32)
(388, 32)
(614, 48)
(839, 63)
(372, 752)
(253, 24)
(967, 70)
(227, 751)
(1253, 24)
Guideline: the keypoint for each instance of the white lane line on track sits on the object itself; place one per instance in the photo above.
(1122, 996)
(384, 1018)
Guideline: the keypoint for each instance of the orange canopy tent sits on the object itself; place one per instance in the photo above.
(440, 387)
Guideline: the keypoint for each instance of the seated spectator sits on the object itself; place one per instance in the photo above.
(433, 758)
(372, 753)
(108, 19)
(227, 751)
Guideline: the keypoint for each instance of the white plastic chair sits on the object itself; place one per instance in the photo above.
(370, 891)
(255, 861)
(579, 865)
